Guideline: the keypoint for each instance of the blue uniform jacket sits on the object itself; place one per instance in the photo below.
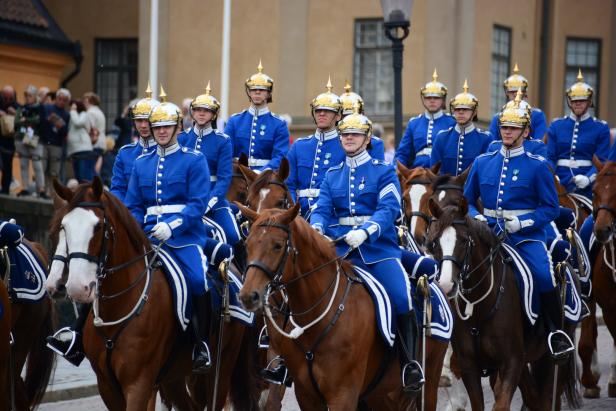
(457, 151)
(538, 125)
(171, 185)
(217, 148)
(532, 146)
(573, 139)
(123, 165)
(367, 189)
(419, 137)
(262, 136)
(521, 182)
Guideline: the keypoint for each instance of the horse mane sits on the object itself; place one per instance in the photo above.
(450, 213)
(263, 179)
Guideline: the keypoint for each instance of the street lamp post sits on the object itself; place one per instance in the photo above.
(397, 16)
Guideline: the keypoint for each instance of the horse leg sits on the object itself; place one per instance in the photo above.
(435, 356)
(472, 382)
(506, 383)
(176, 395)
(611, 385)
(457, 395)
(528, 389)
(587, 350)
(446, 375)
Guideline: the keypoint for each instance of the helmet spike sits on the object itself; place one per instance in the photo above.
(434, 75)
(162, 94)
(356, 107)
(208, 90)
(518, 97)
(347, 86)
(329, 84)
(580, 78)
(148, 91)
(260, 67)
(516, 70)
(465, 86)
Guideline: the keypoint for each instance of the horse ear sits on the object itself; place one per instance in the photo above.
(243, 160)
(248, 174)
(597, 163)
(58, 202)
(436, 168)
(463, 206)
(62, 191)
(97, 187)
(283, 170)
(461, 179)
(289, 215)
(403, 170)
(434, 208)
(247, 212)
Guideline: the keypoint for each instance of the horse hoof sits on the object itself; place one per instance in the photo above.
(444, 381)
(611, 389)
(591, 392)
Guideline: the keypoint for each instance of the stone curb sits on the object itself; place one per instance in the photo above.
(73, 393)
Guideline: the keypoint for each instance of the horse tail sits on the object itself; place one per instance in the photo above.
(41, 360)
(244, 380)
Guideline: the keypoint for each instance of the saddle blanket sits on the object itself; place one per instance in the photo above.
(182, 300)
(441, 320)
(28, 274)
(529, 293)
(385, 316)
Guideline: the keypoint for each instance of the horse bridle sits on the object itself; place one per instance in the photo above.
(276, 274)
(463, 265)
(607, 208)
(286, 204)
(427, 218)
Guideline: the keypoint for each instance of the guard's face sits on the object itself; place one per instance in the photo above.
(353, 142)
(579, 107)
(258, 96)
(326, 119)
(165, 135)
(510, 136)
(433, 104)
(511, 95)
(463, 115)
(202, 116)
(143, 127)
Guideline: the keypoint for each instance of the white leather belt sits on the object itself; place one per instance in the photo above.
(257, 162)
(505, 213)
(213, 178)
(355, 220)
(308, 192)
(574, 163)
(165, 209)
(426, 151)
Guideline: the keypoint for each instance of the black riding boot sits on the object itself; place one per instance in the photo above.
(67, 341)
(559, 343)
(239, 253)
(276, 372)
(412, 374)
(201, 353)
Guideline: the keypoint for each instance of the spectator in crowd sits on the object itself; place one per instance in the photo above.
(80, 148)
(98, 123)
(43, 96)
(108, 160)
(124, 123)
(8, 109)
(28, 144)
(187, 118)
(390, 147)
(54, 129)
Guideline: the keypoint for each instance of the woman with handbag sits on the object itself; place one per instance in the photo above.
(27, 135)
(79, 147)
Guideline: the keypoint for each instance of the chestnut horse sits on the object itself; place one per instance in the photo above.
(31, 323)
(135, 345)
(492, 336)
(604, 265)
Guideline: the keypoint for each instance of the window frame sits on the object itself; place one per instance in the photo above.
(500, 58)
(585, 69)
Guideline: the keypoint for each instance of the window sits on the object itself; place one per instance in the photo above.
(115, 75)
(584, 54)
(373, 75)
(501, 66)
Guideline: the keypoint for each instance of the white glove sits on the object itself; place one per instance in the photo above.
(481, 217)
(355, 238)
(161, 231)
(13, 221)
(211, 204)
(512, 225)
(318, 229)
(581, 181)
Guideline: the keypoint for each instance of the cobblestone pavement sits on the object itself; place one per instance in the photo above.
(69, 378)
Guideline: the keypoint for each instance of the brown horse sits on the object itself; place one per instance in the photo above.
(238, 189)
(139, 347)
(269, 189)
(491, 336)
(31, 322)
(5, 349)
(604, 265)
(337, 359)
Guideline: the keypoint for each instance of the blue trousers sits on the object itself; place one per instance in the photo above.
(538, 260)
(417, 265)
(189, 267)
(222, 220)
(390, 274)
(586, 231)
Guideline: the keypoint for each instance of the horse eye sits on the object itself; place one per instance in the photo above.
(277, 246)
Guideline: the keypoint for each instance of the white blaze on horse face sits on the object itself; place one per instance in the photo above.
(79, 226)
(57, 267)
(415, 194)
(262, 196)
(441, 196)
(448, 244)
